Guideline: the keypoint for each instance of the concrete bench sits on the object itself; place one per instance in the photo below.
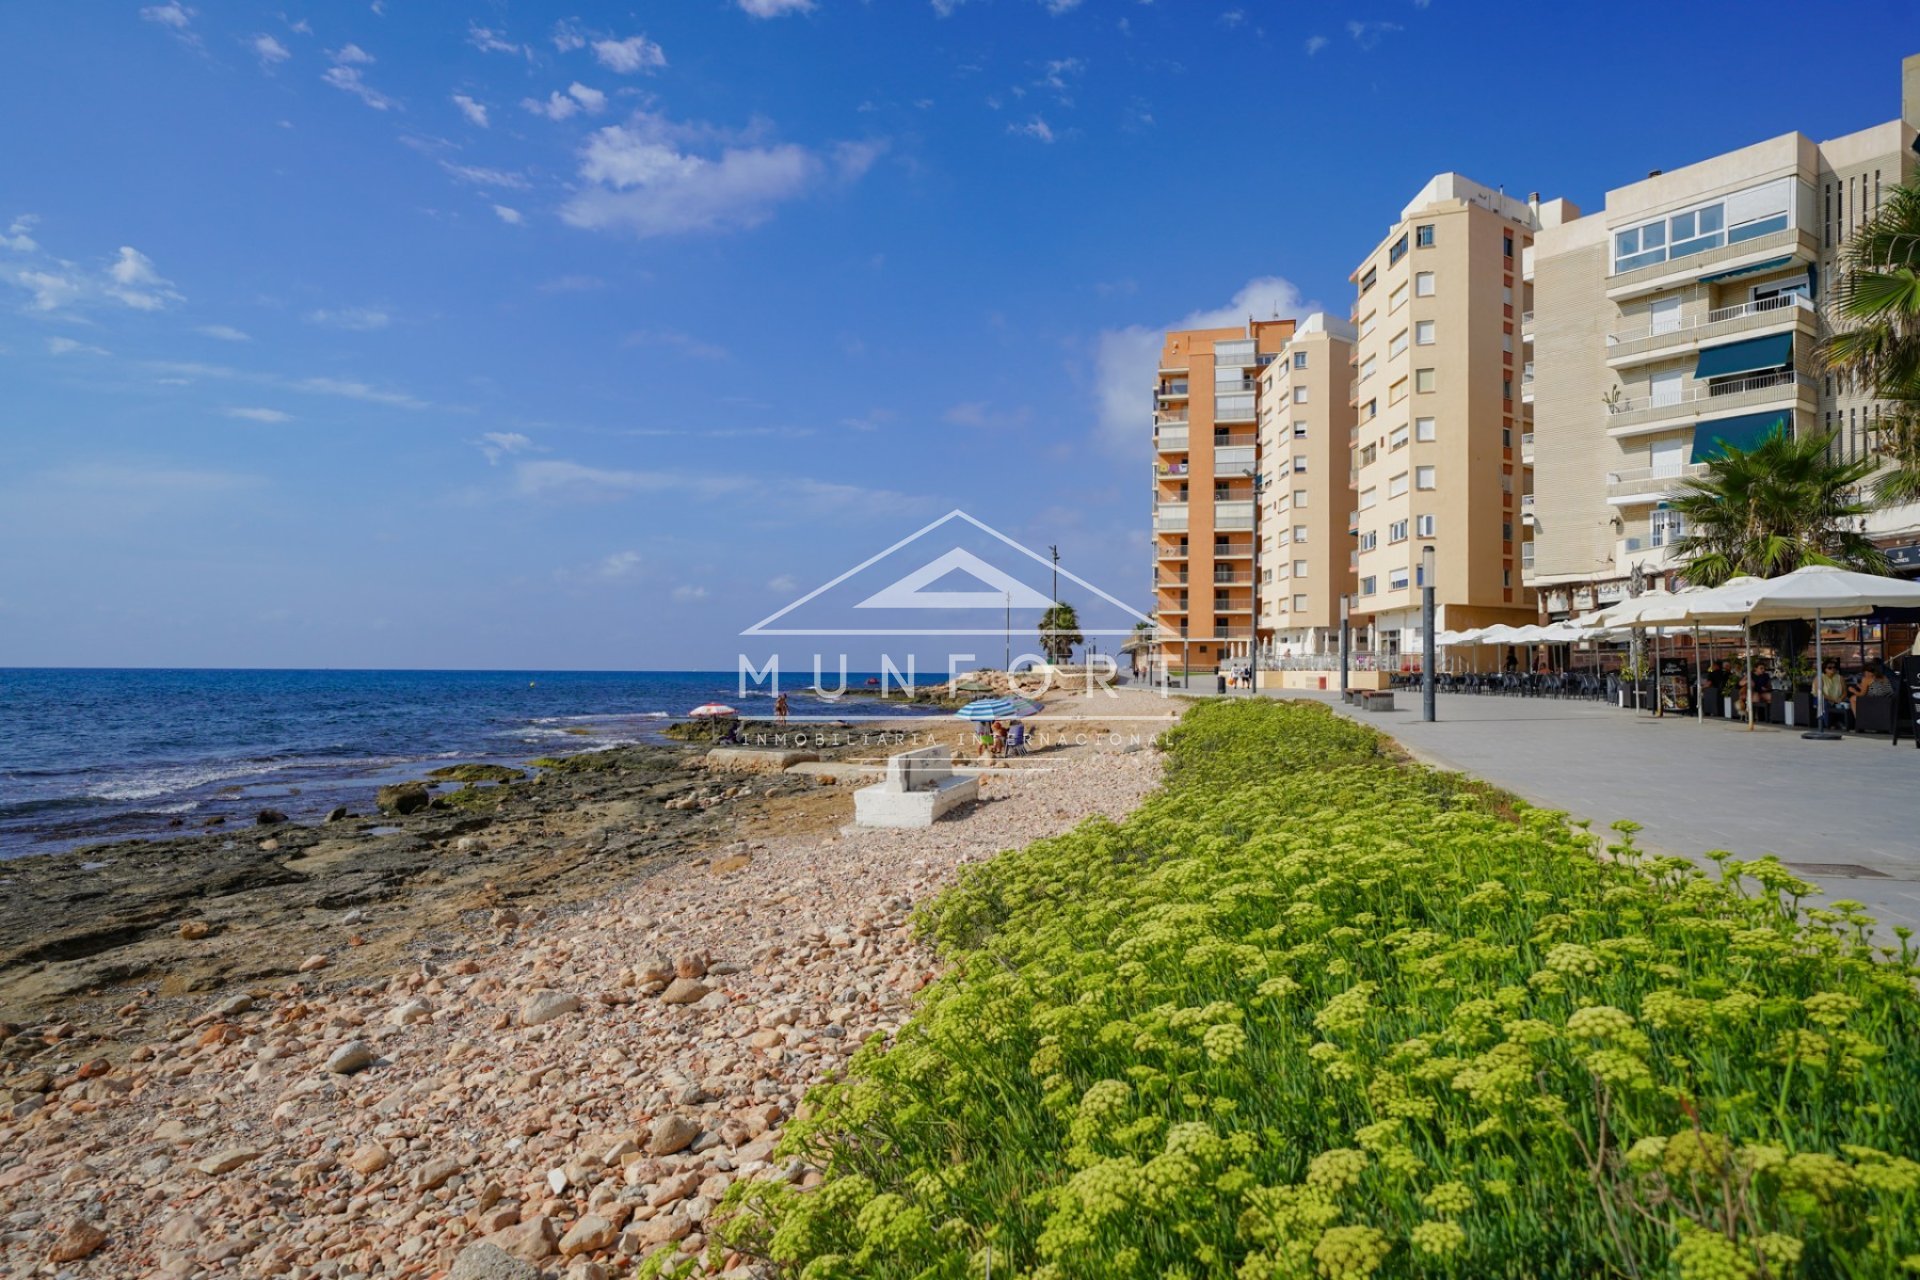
(1376, 700)
(919, 786)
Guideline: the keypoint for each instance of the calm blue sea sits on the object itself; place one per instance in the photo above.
(92, 755)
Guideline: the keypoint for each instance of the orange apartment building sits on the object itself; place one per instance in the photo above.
(1205, 522)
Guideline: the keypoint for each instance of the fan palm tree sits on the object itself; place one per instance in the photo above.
(1059, 632)
(1878, 298)
(1771, 509)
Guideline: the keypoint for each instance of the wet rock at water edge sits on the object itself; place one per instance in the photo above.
(403, 797)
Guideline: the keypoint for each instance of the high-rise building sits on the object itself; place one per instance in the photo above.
(1306, 426)
(1437, 459)
(1204, 520)
(1681, 318)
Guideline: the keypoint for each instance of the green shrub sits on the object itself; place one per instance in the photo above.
(1312, 1011)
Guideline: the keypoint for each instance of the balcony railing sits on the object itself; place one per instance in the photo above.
(1652, 482)
(1698, 393)
(1171, 553)
(1233, 515)
(1526, 446)
(1684, 329)
(1169, 417)
(1171, 441)
(1233, 551)
(1173, 391)
(1171, 469)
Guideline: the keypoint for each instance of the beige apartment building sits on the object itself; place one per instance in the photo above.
(1206, 455)
(1437, 458)
(1681, 318)
(1306, 425)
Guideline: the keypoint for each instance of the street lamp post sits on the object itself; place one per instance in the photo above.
(1426, 635)
(1346, 640)
(1253, 641)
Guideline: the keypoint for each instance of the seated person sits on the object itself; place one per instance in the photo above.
(1873, 683)
(1834, 693)
(1717, 678)
(1762, 684)
(1017, 739)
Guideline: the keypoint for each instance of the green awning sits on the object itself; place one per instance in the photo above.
(1752, 269)
(1746, 433)
(1771, 352)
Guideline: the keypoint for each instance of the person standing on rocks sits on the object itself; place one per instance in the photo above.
(780, 710)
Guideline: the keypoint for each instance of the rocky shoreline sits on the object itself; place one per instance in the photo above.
(545, 1044)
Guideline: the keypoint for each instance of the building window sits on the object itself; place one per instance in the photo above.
(1299, 568)
(1398, 344)
(1367, 367)
(1366, 323)
(1398, 251)
(1299, 359)
(1368, 453)
(1368, 586)
(1299, 466)
(1299, 497)
(1423, 332)
(1397, 392)
(1665, 528)
(1397, 580)
(1368, 497)
(1370, 279)
(1299, 395)
(1423, 380)
(1506, 577)
(1299, 533)
(1423, 477)
(1397, 299)
(1423, 526)
(1397, 531)
(1397, 439)
(1369, 540)
(1423, 236)
(1506, 531)
(1423, 430)
(1508, 244)
(1506, 388)
(1299, 604)
(1299, 431)
(1423, 284)
(1397, 485)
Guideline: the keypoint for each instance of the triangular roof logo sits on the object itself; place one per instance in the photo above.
(999, 590)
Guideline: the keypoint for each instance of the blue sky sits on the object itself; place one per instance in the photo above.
(471, 335)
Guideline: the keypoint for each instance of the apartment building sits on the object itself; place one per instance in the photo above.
(1306, 425)
(1437, 458)
(1206, 451)
(1682, 318)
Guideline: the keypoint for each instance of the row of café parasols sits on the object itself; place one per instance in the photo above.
(1815, 593)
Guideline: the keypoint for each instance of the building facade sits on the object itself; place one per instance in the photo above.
(1206, 456)
(1436, 388)
(1684, 317)
(1306, 426)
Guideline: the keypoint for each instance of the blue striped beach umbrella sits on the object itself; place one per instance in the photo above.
(998, 709)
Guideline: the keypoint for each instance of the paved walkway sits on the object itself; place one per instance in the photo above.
(1843, 814)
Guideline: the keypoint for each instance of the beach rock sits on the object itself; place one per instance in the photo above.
(691, 964)
(530, 1241)
(670, 1134)
(80, 1239)
(416, 1010)
(684, 991)
(435, 1173)
(354, 1055)
(232, 1007)
(338, 814)
(403, 797)
(312, 963)
(589, 1235)
(545, 1006)
(369, 1159)
(486, 1261)
(227, 1161)
(194, 930)
(269, 818)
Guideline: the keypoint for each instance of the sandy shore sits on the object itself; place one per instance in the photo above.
(572, 1088)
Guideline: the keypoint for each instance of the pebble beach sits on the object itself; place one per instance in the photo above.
(561, 1091)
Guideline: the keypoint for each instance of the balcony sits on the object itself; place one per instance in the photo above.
(1172, 391)
(1233, 515)
(1780, 388)
(1172, 441)
(1170, 468)
(1173, 369)
(1170, 517)
(1233, 550)
(1526, 264)
(1172, 553)
(1655, 277)
(1233, 460)
(1170, 418)
(1353, 522)
(1526, 447)
(1526, 510)
(1232, 577)
(1526, 326)
(1642, 343)
(1636, 486)
(1526, 383)
(1237, 406)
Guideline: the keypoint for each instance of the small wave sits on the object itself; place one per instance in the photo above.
(27, 808)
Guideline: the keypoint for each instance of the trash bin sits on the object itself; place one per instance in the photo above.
(1221, 681)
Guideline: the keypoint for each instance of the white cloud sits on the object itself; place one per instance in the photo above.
(945, 8)
(493, 41)
(352, 55)
(1036, 128)
(183, 373)
(133, 281)
(685, 344)
(224, 332)
(68, 347)
(357, 319)
(775, 8)
(473, 111)
(269, 50)
(480, 177)
(499, 444)
(347, 80)
(17, 238)
(512, 217)
(1369, 34)
(567, 37)
(1315, 44)
(557, 478)
(635, 53)
(1058, 7)
(51, 290)
(260, 415)
(1125, 359)
(620, 564)
(980, 414)
(784, 583)
(561, 106)
(685, 592)
(171, 14)
(351, 390)
(643, 179)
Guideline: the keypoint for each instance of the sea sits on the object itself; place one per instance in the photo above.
(93, 755)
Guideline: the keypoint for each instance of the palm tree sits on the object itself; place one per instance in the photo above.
(1878, 294)
(1059, 632)
(1771, 509)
